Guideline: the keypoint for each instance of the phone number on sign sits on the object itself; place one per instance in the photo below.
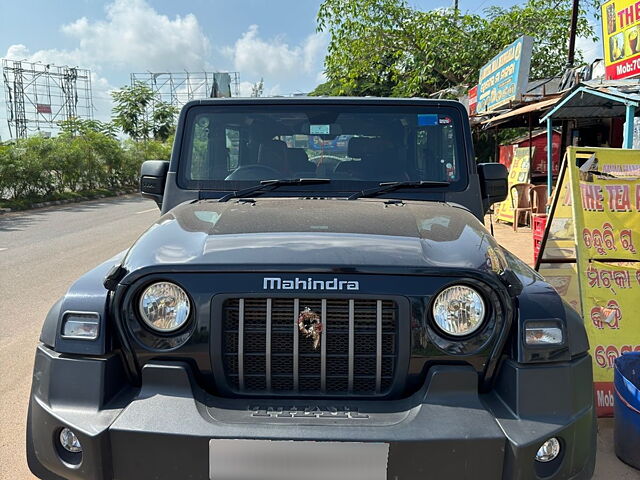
(624, 69)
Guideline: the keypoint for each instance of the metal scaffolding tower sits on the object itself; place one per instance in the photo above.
(177, 88)
(38, 96)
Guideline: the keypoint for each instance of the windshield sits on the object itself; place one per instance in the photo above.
(236, 146)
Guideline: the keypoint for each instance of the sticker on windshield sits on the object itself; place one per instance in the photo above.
(319, 129)
(444, 120)
(427, 119)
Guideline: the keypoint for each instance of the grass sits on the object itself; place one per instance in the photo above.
(66, 197)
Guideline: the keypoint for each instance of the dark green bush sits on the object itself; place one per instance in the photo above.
(38, 168)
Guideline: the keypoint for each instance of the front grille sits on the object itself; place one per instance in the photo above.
(265, 352)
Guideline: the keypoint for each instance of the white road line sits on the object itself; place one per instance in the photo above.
(147, 211)
(1, 249)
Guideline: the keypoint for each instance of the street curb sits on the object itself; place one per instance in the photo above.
(51, 203)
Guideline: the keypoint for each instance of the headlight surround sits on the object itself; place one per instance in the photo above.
(459, 311)
(164, 307)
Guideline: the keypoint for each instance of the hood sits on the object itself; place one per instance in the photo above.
(324, 233)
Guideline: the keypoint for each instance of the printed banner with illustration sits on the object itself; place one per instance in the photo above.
(519, 172)
(621, 32)
(605, 185)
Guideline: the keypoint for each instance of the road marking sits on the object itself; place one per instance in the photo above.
(147, 211)
(1, 249)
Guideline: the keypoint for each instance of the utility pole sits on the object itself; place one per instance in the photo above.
(572, 33)
(455, 6)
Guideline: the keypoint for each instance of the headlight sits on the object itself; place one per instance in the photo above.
(459, 310)
(164, 306)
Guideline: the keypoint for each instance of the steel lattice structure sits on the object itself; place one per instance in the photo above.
(38, 95)
(177, 88)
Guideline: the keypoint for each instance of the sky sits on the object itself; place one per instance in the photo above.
(271, 39)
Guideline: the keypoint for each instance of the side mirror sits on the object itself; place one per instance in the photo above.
(153, 176)
(493, 183)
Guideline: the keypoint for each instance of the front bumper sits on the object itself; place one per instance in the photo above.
(446, 430)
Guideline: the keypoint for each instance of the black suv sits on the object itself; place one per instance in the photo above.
(319, 299)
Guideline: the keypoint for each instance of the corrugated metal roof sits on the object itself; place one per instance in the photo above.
(597, 99)
(529, 108)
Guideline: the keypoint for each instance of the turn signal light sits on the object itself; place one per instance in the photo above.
(81, 325)
(543, 335)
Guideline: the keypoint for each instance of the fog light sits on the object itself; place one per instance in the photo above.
(69, 441)
(549, 450)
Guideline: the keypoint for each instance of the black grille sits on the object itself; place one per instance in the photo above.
(264, 351)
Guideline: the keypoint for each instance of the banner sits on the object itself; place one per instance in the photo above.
(505, 77)
(519, 172)
(605, 186)
(620, 32)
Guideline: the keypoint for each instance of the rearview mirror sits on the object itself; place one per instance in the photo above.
(493, 183)
(153, 176)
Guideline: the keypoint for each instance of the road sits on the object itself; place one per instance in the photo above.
(43, 251)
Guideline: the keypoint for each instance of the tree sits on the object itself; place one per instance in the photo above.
(78, 126)
(257, 89)
(387, 48)
(140, 114)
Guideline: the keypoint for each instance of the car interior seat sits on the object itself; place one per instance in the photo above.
(377, 160)
(298, 161)
(273, 154)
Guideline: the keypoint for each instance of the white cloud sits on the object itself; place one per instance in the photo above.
(246, 89)
(132, 37)
(274, 59)
(135, 35)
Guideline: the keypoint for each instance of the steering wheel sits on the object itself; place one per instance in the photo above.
(254, 172)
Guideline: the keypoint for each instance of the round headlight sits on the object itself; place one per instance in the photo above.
(459, 310)
(164, 306)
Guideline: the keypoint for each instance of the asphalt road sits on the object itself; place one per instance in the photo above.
(42, 252)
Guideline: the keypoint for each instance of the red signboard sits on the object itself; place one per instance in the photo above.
(624, 69)
(473, 100)
(43, 108)
(539, 160)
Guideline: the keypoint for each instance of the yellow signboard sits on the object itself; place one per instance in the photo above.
(605, 186)
(519, 172)
(620, 29)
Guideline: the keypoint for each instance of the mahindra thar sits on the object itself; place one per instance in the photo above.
(318, 299)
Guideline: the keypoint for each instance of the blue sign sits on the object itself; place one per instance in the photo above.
(504, 79)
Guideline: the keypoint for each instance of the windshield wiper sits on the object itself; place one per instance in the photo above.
(275, 183)
(390, 186)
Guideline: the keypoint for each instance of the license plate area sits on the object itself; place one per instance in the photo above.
(296, 460)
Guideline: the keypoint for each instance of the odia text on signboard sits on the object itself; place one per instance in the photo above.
(505, 77)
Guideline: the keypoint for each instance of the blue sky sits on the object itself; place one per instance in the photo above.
(273, 39)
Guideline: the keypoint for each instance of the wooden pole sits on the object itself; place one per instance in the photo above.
(572, 33)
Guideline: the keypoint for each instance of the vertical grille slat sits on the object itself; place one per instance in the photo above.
(241, 344)
(268, 344)
(323, 347)
(351, 343)
(296, 353)
(263, 350)
(378, 345)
